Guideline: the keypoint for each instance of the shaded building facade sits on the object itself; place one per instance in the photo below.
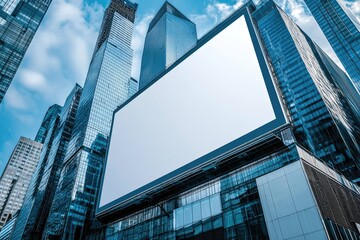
(16, 177)
(106, 87)
(170, 35)
(36, 207)
(342, 29)
(18, 23)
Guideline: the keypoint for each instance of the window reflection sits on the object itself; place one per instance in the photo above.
(197, 211)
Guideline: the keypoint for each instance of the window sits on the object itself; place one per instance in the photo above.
(197, 211)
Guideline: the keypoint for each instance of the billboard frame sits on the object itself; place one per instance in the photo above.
(279, 121)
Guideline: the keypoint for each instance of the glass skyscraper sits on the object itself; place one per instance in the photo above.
(19, 20)
(52, 113)
(106, 87)
(170, 35)
(278, 189)
(16, 177)
(319, 106)
(342, 30)
(33, 215)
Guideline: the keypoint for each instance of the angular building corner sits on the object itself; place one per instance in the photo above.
(170, 35)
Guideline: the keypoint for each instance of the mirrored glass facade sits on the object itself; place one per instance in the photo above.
(106, 87)
(170, 35)
(276, 197)
(342, 30)
(224, 208)
(19, 20)
(50, 115)
(33, 215)
(319, 106)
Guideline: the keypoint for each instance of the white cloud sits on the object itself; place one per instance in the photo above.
(239, 3)
(16, 100)
(215, 12)
(296, 9)
(27, 119)
(33, 80)
(218, 11)
(354, 7)
(299, 12)
(61, 50)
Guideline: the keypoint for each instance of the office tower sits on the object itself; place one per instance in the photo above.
(272, 189)
(170, 35)
(50, 115)
(33, 215)
(320, 108)
(342, 30)
(16, 177)
(133, 87)
(106, 87)
(19, 21)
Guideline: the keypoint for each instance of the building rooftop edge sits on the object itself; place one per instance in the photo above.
(165, 9)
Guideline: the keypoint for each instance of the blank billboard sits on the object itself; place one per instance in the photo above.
(219, 97)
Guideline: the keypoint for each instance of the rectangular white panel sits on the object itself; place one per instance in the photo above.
(213, 97)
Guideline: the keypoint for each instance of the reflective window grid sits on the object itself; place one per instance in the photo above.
(228, 207)
(342, 29)
(18, 23)
(318, 104)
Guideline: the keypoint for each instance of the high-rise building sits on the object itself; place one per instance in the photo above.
(50, 115)
(16, 177)
(106, 87)
(36, 207)
(18, 23)
(319, 105)
(342, 30)
(170, 35)
(287, 188)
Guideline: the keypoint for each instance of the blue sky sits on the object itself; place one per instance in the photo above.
(60, 53)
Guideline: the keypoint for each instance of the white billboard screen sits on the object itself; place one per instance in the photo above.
(213, 97)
